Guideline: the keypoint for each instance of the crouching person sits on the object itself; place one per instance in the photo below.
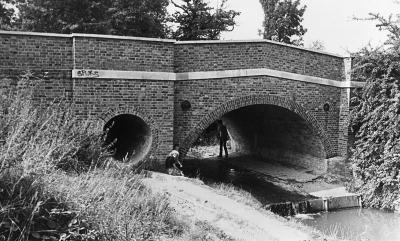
(172, 163)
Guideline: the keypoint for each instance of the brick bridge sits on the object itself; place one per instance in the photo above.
(278, 101)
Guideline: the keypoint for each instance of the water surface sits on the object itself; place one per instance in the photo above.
(358, 224)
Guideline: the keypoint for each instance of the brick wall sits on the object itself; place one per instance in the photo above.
(35, 52)
(158, 101)
(55, 56)
(152, 101)
(253, 55)
(123, 54)
(47, 56)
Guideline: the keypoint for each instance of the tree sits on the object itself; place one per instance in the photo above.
(143, 18)
(6, 15)
(59, 16)
(282, 21)
(317, 45)
(196, 22)
(376, 120)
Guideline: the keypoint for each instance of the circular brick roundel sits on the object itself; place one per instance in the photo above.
(255, 100)
(185, 105)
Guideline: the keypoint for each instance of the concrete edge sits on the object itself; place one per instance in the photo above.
(257, 72)
(167, 76)
(116, 74)
(83, 35)
(58, 35)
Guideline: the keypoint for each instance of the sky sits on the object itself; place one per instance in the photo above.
(329, 21)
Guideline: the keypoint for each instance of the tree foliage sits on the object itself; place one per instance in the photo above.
(282, 21)
(195, 19)
(6, 14)
(147, 18)
(317, 45)
(196, 22)
(142, 18)
(376, 120)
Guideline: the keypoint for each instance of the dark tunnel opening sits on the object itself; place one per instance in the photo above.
(132, 136)
(273, 133)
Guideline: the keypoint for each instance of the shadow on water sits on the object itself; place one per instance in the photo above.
(261, 187)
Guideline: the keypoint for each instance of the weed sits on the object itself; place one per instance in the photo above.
(57, 180)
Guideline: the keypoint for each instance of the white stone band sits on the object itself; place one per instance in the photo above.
(142, 75)
(117, 74)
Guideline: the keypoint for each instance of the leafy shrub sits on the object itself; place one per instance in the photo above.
(376, 117)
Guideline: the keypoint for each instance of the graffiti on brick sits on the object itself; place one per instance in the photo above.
(88, 73)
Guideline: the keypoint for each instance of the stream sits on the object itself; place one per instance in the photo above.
(358, 224)
(352, 224)
(211, 172)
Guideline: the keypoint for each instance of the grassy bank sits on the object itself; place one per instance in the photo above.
(57, 181)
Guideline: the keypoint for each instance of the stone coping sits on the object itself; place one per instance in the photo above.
(168, 76)
(82, 35)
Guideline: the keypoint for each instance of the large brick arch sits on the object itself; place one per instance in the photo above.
(254, 100)
(136, 111)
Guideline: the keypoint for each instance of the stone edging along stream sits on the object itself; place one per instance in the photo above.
(327, 200)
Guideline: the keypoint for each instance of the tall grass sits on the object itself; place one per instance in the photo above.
(114, 205)
(57, 181)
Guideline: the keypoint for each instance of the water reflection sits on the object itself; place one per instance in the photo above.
(358, 224)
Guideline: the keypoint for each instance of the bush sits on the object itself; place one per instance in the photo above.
(376, 119)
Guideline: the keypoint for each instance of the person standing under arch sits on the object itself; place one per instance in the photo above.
(223, 138)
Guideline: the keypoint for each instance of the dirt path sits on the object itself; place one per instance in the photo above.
(193, 201)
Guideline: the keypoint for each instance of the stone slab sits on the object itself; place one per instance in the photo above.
(343, 202)
(334, 192)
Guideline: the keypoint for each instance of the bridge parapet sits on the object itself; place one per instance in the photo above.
(195, 56)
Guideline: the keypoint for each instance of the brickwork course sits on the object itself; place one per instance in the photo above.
(107, 76)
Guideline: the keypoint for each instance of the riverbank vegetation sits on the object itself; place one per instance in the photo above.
(57, 182)
(376, 120)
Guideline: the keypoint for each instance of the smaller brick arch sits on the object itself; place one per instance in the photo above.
(255, 100)
(136, 111)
